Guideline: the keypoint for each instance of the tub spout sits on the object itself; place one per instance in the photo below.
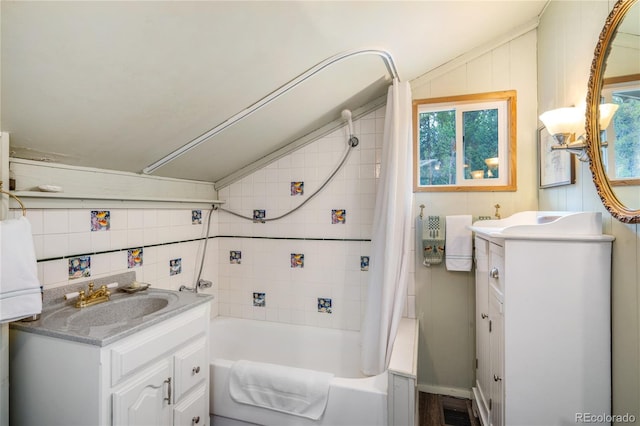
(204, 283)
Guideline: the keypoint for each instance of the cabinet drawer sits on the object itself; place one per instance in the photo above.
(496, 267)
(191, 366)
(131, 354)
(193, 410)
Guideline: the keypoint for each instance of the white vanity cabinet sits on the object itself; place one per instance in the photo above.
(157, 376)
(543, 341)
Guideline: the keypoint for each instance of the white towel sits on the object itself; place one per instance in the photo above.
(19, 287)
(290, 390)
(458, 247)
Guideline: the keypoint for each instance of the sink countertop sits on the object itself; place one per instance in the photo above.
(545, 225)
(103, 335)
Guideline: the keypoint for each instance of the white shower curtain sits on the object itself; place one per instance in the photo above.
(389, 267)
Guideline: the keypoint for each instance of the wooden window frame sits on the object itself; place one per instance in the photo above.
(511, 98)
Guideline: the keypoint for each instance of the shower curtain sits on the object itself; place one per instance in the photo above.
(390, 254)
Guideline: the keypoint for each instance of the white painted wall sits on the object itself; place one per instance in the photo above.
(565, 53)
(445, 301)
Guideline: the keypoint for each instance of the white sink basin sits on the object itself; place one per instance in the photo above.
(542, 223)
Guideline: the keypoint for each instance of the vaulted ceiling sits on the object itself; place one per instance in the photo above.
(120, 84)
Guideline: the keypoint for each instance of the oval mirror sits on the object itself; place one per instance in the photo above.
(614, 144)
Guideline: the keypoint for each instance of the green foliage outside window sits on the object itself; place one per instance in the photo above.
(627, 136)
(480, 141)
(465, 142)
(437, 132)
(437, 148)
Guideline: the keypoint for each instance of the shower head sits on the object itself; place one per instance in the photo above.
(346, 115)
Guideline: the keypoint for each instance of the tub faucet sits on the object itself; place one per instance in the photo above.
(201, 284)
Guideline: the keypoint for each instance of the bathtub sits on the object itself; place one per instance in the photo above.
(353, 399)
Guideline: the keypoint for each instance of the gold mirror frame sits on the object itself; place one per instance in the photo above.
(596, 77)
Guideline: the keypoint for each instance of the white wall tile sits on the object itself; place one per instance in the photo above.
(55, 221)
(79, 220)
(55, 245)
(55, 272)
(135, 219)
(79, 243)
(100, 241)
(36, 219)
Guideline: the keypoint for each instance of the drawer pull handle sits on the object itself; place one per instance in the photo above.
(195, 420)
(494, 273)
(168, 398)
(195, 370)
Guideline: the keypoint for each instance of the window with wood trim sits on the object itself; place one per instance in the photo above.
(465, 143)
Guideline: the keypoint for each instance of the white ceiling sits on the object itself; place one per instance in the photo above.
(120, 84)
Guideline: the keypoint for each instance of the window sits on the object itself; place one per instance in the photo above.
(465, 143)
(620, 156)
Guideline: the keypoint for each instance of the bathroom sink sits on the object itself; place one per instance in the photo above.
(543, 224)
(107, 322)
(118, 311)
(121, 309)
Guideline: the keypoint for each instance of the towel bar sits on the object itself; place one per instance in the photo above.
(24, 209)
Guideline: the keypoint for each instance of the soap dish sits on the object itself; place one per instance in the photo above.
(141, 287)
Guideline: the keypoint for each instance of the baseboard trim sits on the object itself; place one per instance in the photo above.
(444, 390)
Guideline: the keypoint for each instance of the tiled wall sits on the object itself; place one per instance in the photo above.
(310, 267)
(75, 245)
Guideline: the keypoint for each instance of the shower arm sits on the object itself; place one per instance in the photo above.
(386, 57)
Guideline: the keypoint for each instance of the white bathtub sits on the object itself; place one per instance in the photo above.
(353, 399)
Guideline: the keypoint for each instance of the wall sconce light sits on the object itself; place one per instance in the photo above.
(567, 125)
(607, 111)
(492, 164)
(477, 174)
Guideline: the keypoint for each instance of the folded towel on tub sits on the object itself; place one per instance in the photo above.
(19, 286)
(290, 390)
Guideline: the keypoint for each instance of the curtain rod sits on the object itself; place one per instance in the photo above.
(386, 57)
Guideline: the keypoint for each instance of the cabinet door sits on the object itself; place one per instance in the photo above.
(496, 343)
(145, 400)
(482, 321)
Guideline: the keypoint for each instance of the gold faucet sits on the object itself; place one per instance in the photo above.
(92, 297)
(497, 213)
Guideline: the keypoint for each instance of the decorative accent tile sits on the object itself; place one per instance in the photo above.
(259, 299)
(364, 263)
(259, 214)
(79, 267)
(196, 217)
(235, 257)
(175, 266)
(297, 260)
(338, 216)
(100, 220)
(297, 188)
(134, 257)
(324, 305)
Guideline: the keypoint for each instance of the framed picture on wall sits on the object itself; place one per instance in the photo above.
(555, 167)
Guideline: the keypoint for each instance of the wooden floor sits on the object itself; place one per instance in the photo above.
(441, 410)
